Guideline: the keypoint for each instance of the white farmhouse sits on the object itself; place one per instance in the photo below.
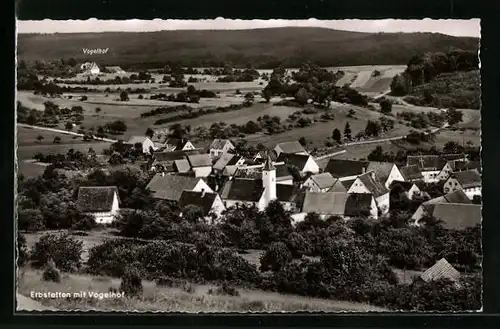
(369, 183)
(219, 147)
(102, 202)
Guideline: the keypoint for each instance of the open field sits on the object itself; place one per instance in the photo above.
(361, 78)
(317, 133)
(28, 137)
(172, 299)
(27, 152)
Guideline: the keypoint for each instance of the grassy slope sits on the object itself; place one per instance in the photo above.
(457, 89)
(292, 45)
(167, 299)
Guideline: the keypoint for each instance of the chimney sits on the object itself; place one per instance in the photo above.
(363, 170)
(202, 192)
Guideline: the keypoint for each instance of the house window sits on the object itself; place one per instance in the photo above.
(446, 190)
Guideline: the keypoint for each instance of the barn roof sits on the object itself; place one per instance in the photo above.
(467, 178)
(223, 161)
(297, 160)
(96, 198)
(344, 168)
(338, 186)
(170, 187)
(441, 270)
(457, 216)
(291, 147)
(329, 203)
(174, 155)
(323, 180)
(243, 190)
(204, 200)
(411, 172)
(200, 160)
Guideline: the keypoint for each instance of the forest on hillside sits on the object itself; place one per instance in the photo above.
(260, 48)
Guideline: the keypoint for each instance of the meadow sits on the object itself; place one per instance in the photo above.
(173, 299)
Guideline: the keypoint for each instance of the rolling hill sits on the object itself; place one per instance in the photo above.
(264, 48)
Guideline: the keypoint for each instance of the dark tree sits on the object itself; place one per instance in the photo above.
(124, 96)
(336, 135)
(150, 132)
(347, 131)
(385, 106)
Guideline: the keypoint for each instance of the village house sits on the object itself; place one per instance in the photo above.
(425, 208)
(320, 182)
(304, 163)
(170, 187)
(411, 173)
(210, 203)
(290, 148)
(146, 143)
(201, 164)
(227, 164)
(260, 191)
(219, 147)
(90, 68)
(163, 142)
(454, 216)
(345, 205)
(411, 190)
(165, 161)
(102, 202)
(369, 183)
(347, 170)
(469, 181)
(432, 165)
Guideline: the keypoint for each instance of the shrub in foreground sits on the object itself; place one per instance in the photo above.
(51, 273)
(131, 283)
(63, 249)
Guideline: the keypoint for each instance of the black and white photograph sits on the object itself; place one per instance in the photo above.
(248, 166)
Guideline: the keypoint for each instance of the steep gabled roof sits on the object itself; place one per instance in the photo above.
(329, 203)
(323, 180)
(291, 147)
(457, 216)
(411, 172)
(457, 196)
(348, 183)
(200, 160)
(338, 186)
(345, 168)
(243, 190)
(467, 178)
(204, 200)
(218, 144)
(170, 187)
(381, 169)
(182, 165)
(223, 161)
(373, 184)
(96, 198)
(441, 270)
(297, 160)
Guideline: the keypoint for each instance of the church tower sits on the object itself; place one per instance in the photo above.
(269, 181)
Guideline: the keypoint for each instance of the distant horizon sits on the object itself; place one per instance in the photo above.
(451, 27)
